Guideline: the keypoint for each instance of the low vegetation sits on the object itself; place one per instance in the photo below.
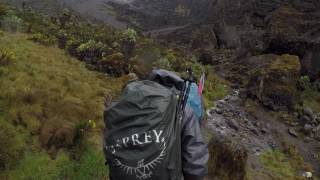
(310, 93)
(280, 165)
(45, 95)
(215, 89)
(6, 57)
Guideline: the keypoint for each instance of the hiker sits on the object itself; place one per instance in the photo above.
(152, 133)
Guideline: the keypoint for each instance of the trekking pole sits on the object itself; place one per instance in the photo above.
(185, 92)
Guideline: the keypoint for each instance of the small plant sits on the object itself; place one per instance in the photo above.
(163, 63)
(3, 10)
(91, 46)
(304, 82)
(91, 51)
(128, 39)
(129, 35)
(168, 61)
(72, 45)
(62, 39)
(82, 128)
(6, 57)
(214, 89)
(10, 22)
(42, 39)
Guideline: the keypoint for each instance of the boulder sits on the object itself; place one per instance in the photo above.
(293, 132)
(227, 159)
(307, 129)
(273, 80)
(305, 119)
(308, 112)
(317, 133)
(311, 65)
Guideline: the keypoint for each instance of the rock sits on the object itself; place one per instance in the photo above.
(305, 119)
(211, 111)
(293, 132)
(307, 129)
(308, 111)
(227, 98)
(273, 80)
(254, 131)
(310, 64)
(233, 124)
(220, 103)
(307, 175)
(317, 133)
(227, 159)
(264, 130)
(218, 110)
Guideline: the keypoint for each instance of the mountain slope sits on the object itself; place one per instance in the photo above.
(46, 101)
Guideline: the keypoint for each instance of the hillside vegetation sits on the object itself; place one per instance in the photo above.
(47, 99)
(55, 73)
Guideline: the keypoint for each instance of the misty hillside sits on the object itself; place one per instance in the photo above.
(62, 60)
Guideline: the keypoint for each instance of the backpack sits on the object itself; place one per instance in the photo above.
(195, 101)
(142, 137)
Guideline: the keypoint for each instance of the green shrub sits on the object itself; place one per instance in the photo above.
(129, 35)
(91, 51)
(113, 64)
(304, 82)
(128, 39)
(91, 45)
(72, 46)
(168, 60)
(10, 22)
(11, 145)
(3, 10)
(196, 67)
(163, 63)
(42, 39)
(6, 57)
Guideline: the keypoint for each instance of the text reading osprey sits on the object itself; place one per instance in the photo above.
(148, 137)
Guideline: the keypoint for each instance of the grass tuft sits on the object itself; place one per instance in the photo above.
(215, 89)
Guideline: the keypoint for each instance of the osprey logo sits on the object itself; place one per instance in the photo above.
(143, 169)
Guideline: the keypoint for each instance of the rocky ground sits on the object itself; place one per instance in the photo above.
(252, 131)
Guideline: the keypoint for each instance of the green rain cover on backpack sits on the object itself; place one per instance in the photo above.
(142, 136)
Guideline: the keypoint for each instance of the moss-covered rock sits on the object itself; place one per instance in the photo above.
(273, 80)
(227, 160)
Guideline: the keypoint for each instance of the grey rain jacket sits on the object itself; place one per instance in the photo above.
(195, 153)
